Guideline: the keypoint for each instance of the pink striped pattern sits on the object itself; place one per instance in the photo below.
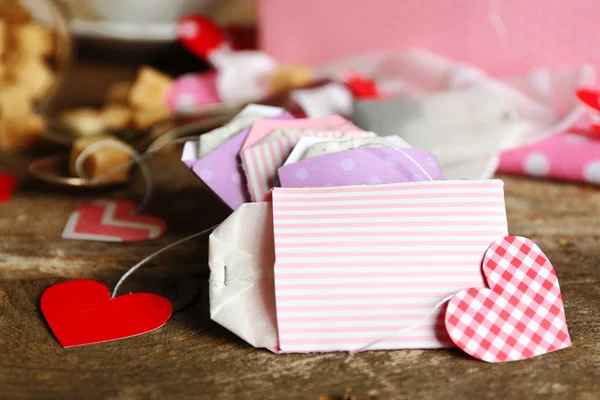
(357, 264)
(262, 161)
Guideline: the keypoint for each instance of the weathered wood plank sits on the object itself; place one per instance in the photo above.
(192, 358)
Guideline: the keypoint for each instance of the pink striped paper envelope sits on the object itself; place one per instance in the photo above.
(264, 127)
(357, 264)
(261, 162)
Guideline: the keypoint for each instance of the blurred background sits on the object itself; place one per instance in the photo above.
(117, 36)
(77, 68)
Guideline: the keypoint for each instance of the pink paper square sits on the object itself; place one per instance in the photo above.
(264, 127)
(357, 264)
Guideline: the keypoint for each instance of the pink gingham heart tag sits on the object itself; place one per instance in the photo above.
(520, 316)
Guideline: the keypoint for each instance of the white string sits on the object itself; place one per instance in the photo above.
(151, 150)
(405, 330)
(173, 141)
(151, 256)
(408, 156)
(136, 159)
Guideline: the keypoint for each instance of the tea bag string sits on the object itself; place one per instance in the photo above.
(137, 158)
(156, 253)
(408, 156)
(404, 330)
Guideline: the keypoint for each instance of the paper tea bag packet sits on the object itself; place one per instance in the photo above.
(269, 143)
(260, 162)
(464, 129)
(352, 267)
(242, 296)
(196, 149)
(364, 166)
(213, 157)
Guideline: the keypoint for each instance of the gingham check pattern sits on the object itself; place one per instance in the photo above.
(520, 316)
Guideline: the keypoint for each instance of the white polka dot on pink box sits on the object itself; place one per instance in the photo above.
(564, 156)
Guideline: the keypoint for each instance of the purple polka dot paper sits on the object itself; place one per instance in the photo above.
(221, 169)
(366, 166)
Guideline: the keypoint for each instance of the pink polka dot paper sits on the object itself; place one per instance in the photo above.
(192, 91)
(366, 166)
(564, 156)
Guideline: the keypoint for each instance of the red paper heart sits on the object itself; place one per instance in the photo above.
(520, 316)
(7, 186)
(112, 221)
(200, 35)
(362, 87)
(591, 97)
(81, 312)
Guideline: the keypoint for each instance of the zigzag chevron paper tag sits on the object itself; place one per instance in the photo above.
(112, 221)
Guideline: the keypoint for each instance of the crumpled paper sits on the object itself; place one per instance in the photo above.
(219, 167)
(195, 149)
(543, 100)
(241, 289)
(464, 129)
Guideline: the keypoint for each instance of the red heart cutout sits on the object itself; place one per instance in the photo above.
(112, 221)
(7, 186)
(81, 312)
(362, 87)
(591, 97)
(200, 35)
(520, 316)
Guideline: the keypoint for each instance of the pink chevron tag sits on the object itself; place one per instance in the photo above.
(112, 221)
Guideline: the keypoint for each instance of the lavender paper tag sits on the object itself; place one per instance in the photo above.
(366, 166)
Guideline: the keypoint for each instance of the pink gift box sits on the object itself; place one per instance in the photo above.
(500, 36)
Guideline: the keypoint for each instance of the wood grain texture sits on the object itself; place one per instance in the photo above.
(192, 358)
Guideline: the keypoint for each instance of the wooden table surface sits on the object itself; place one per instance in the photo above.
(193, 358)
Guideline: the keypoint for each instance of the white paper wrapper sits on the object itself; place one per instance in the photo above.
(464, 129)
(241, 259)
